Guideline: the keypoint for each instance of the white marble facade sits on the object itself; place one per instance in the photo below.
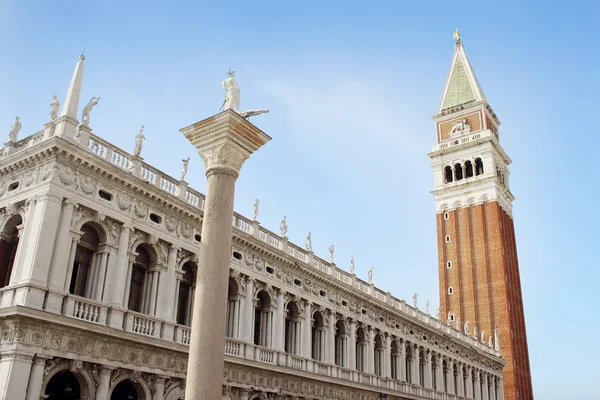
(98, 256)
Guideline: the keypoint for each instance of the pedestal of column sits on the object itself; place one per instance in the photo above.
(224, 142)
(82, 137)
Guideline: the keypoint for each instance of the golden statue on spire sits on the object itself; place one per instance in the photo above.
(456, 35)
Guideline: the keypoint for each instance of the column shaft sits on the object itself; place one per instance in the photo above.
(60, 258)
(120, 277)
(103, 384)
(305, 347)
(278, 333)
(36, 375)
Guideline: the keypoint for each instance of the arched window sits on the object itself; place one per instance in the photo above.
(318, 336)
(125, 390)
(445, 376)
(262, 320)
(378, 355)
(63, 386)
(292, 328)
(422, 368)
(478, 167)
(464, 376)
(434, 370)
(185, 300)
(361, 345)
(394, 353)
(9, 241)
(81, 277)
(473, 380)
(458, 171)
(448, 174)
(233, 309)
(340, 344)
(138, 283)
(455, 377)
(468, 169)
(409, 363)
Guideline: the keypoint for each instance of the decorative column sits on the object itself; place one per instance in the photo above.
(278, 334)
(247, 327)
(428, 372)
(120, 282)
(224, 142)
(104, 383)
(451, 388)
(469, 387)
(14, 370)
(306, 335)
(370, 348)
(484, 387)
(330, 342)
(351, 345)
(403, 372)
(492, 387)
(387, 357)
(460, 390)
(36, 375)
(59, 264)
(415, 365)
(29, 211)
(159, 388)
(102, 265)
(39, 245)
(477, 394)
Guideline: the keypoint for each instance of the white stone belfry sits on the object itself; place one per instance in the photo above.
(66, 124)
(224, 141)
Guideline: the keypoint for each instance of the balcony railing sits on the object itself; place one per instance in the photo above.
(84, 309)
(142, 324)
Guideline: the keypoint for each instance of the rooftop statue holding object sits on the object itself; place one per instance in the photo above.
(14, 130)
(85, 114)
(232, 97)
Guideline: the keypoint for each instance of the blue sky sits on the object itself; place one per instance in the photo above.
(351, 88)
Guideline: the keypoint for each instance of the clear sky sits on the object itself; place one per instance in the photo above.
(351, 88)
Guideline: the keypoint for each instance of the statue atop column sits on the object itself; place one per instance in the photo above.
(449, 319)
(467, 328)
(482, 336)
(309, 242)
(438, 314)
(184, 169)
(255, 210)
(352, 265)
(232, 92)
(415, 297)
(85, 114)
(13, 134)
(139, 142)
(370, 275)
(496, 339)
(427, 307)
(283, 228)
(458, 325)
(54, 106)
(331, 250)
(475, 333)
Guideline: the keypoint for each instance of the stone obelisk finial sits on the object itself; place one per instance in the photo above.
(66, 124)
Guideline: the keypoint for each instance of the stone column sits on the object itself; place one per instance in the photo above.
(111, 270)
(403, 372)
(14, 370)
(224, 141)
(119, 280)
(103, 383)
(451, 388)
(306, 335)
(278, 331)
(370, 359)
(21, 253)
(500, 389)
(74, 240)
(156, 272)
(159, 388)
(428, 373)
(492, 387)
(36, 375)
(351, 345)
(247, 328)
(484, 384)
(477, 394)
(460, 390)
(166, 286)
(60, 258)
(387, 357)
(330, 342)
(415, 365)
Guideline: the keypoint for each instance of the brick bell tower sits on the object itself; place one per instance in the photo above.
(480, 287)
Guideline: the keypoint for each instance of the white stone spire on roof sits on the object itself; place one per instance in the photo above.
(72, 100)
(461, 86)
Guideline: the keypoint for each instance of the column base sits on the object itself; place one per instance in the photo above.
(168, 330)
(115, 317)
(54, 301)
(29, 296)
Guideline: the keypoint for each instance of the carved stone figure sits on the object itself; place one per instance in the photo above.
(352, 265)
(331, 250)
(309, 242)
(371, 275)
(475, 333)
(256, 202)
(458, 325)
(139, 142)
(482, 336)
(427, 307)
(460, 127)
(232, 92)
(496, 339)
(251, 113)
(438, 314)
(54, 106)
(283, 228)
(184, 169)
(85, 114)
(449, 319)
(14, 130)
(415, 297)
(467, 328)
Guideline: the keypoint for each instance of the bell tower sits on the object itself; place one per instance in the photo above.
(477, 252)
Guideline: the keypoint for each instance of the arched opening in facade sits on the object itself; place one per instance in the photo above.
(464, 378)
(458, 171)
(468, 169)
(82, 275)
(318, 336)
(434, 370)
(473, 382)
(448, 174)
(125, 390)
(340, 343)
(9, 242)
(63, 386)
(422, 368)
(394, 356)
(409, 363)
(361, 345)
(445, 376)
(138, 285)
(455, 377)
(478, 167)
(185, 299)
(292, 328)
(378, 355)
(233, 309)
(262, 320)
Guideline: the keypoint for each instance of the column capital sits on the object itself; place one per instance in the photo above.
(225, 141)
(69, 203)
(41, 360)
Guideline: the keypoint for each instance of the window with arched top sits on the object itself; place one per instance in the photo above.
(340, 344)
(378, 355)
(85, 258)
(478, 167)
(9, 242)
(468, 169)
(394, 357)
(292, 328)
(318, 336)
(185, 300)
(233, 309)
(361, 346)
(434, 370)
(464, 377)
(422, 368)
(445, 376)
(138, 281)
(458, 171)
(409, 363)
(455, 377)
(448, 176)
(263, 318)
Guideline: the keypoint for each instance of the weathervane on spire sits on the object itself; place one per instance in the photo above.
(456, 35)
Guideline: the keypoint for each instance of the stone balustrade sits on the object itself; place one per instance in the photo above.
(85, 309)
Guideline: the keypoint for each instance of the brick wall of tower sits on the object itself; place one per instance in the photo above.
(487, 288)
